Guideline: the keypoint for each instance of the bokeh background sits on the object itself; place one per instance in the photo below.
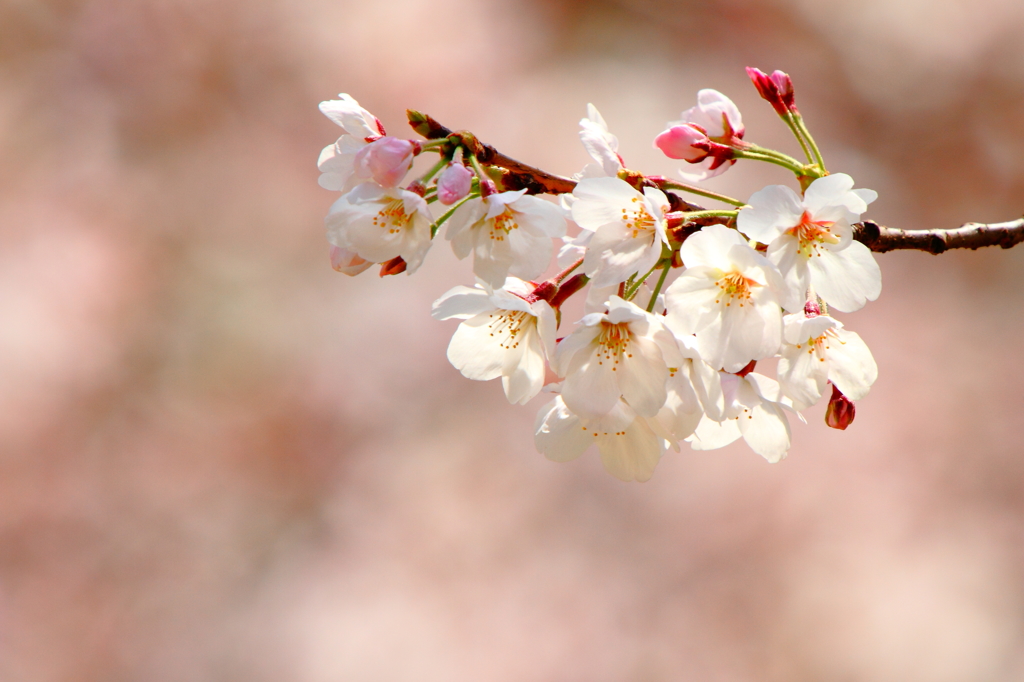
(221, 460)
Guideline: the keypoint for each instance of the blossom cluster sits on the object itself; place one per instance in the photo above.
(681, 302)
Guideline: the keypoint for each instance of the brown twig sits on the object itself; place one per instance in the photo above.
(518, 174)
(880, 239)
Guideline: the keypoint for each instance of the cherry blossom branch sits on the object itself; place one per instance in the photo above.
(880, 238)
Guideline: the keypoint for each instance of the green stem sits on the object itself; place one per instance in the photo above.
(657, 287)
(774, 153)
(480, 172)
(788, 163)
(635, 287)
(448, 214)
(683, 187)
(691, 215)
(795, 129)
(442, 162)
(799, 120)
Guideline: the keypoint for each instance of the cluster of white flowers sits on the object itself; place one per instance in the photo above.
(644, 369)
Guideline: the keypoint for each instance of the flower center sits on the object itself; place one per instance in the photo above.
(506, 327)
(504, 223)
(392, 217)
(811, 234)
(613, 343)
(820, 344)
(734, 286)
(639, 219)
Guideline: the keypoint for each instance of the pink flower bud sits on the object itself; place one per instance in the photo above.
(812, 309)
(769, 89)
(687, 141)
(841, 411)
(347, 262)
(487, 187)
(784, 85)
(386, 160)
(454, 183)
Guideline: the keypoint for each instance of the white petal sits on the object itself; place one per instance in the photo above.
(614, 254)
(851, 366)
(642, 378)
(711, 435)
(599, 201)
(828, 191)
(461, 303)
(474, 351)
(523, 377)
(541, 215)
(592, 390)
(559, 434)
(766, 431)
(802, 375)
(772, 211)
(846, 279)
(710, 247)
(633, 455)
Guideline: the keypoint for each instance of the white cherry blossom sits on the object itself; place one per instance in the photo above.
(721, 120)
(508, 234)
(337, 161)
(754, 411)
(629, 228)
(378, 224)
(818, 350)
(630, 449)
(624, 352)
(602, 146)
(811, 239)
(505, 334)
(729, 296)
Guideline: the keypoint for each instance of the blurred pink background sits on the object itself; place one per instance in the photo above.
(221, 460)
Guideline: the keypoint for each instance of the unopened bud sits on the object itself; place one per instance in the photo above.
(688, 142)
(348, 262)
(487, 187)
(812, 309)
(841, 411)
(394, 266)
(769, 89)
(386, 160)
(454, 183)
(784, 86)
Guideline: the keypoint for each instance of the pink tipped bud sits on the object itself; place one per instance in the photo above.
(784, 86)
(487, 187)
(386, 160)
(688, 142)
(454, 183)
(768, 89)
(841, 411)
(348, 262)
(812, 309)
